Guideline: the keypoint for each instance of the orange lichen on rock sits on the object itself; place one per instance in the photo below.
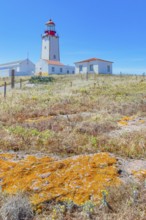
(45, 179)
(124, 120)
(123, 123)
(141, 174)
(5, 163)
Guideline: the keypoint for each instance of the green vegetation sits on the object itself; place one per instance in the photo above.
(41, 79)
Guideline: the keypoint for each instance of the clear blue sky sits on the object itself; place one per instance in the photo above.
(108, 29)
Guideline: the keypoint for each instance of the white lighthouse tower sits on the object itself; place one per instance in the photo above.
(49, 62)
(50, 43)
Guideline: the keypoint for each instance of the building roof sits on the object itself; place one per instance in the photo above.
(54, 62)
(11, 63)
(93, 59)
(50, 22)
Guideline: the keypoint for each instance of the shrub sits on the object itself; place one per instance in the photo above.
(41, 79)
(17, 208)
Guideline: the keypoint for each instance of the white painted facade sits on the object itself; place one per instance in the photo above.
(41, 67)
(65, 69)
(22, 68)
(45, 68)
(50, 48)
(93, 65)
(50, 55)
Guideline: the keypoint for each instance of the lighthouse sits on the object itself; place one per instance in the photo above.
(49, 62)
(50, 43)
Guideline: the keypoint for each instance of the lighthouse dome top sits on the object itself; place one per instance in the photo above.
(50, 22)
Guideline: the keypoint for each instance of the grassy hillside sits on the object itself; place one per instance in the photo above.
(73, 116)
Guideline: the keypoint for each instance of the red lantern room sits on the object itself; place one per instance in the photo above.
(50, 28)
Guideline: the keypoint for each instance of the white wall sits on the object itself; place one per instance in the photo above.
(45, 48)
(56, 69)
(65, 69)
(69, 69)
(84, 68)
(26, 68)
(54, 48)
(5, 69)
(41, 66)
(50, 47)
(98, 67)
(103, 67)
(45, 68)
(23, 68)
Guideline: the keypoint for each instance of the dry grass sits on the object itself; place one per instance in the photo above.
(16, 207)
(121, 201)
(17, 79)
(79, 118)
(131, 144)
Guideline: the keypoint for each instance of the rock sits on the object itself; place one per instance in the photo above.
(45, 175)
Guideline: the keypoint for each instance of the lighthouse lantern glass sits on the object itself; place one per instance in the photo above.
(51, 27)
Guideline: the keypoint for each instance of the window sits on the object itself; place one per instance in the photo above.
(108, 69)
(91, 67)
(67, 71)
(60, 70)
(45, 47)
(54, 56)
(80, 68)
(53, 69)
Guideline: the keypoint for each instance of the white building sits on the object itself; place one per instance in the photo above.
(50, 54)
(46, 67)
(21, 67)
(94, 65)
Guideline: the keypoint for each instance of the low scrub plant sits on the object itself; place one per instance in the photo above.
(17, 207)
(88, 209)
(41, 79)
